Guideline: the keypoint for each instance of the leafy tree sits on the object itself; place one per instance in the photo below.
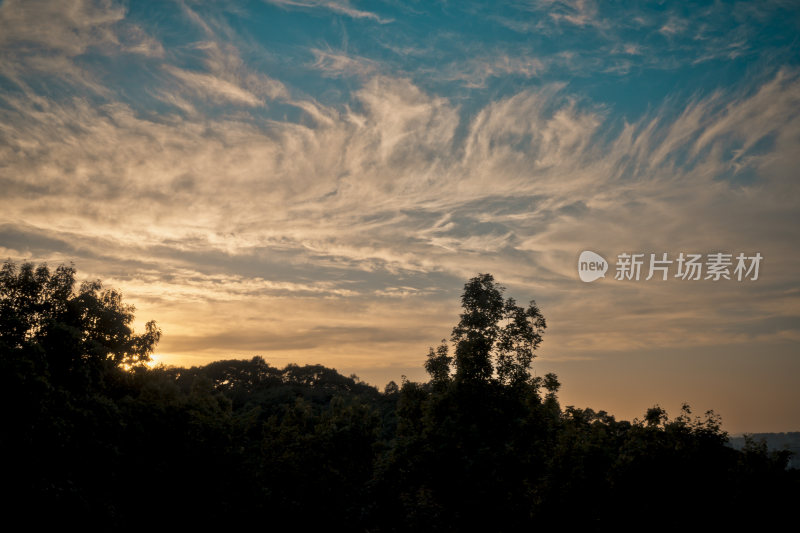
(495, 339)
(438, 365)
(76, 337)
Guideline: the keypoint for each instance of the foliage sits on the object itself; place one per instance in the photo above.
(93, 436)
(73, 337)
(494, 337)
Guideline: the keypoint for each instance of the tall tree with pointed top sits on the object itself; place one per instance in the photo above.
(495, 338)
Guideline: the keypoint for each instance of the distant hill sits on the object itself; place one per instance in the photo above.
(775, 441)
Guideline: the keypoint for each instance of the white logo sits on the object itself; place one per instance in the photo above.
(689, 266)
(591, 266)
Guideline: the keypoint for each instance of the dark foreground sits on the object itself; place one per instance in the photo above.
(91, 436)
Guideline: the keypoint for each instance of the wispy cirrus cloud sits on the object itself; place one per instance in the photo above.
(54, 26)
(333, 63)
(577, 12)
(355, 174)
(225, 77)
(44, 38)
(38, 27)
(214, 87)
(477, 71)
(609, 37)
(396, 172)
(342, 7)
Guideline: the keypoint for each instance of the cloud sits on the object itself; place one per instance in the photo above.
(137, 41)
(50, 25)
(36, 27)
(399, 153)
(673, 26)
(341, 64)
(578, 12)
(41, 38)
(215, 88)
(225, 76)
(476, 72)
(341, 7)
(256, 190)
(619, 39)
(361, 211)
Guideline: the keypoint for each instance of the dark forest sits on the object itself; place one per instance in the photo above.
(92, 435)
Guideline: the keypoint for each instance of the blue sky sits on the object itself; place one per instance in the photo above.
(314, 180)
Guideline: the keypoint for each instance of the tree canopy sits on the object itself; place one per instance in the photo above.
(91, 435)
(71, 334)
(494, 339)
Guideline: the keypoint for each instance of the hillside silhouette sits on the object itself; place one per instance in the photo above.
(92, 435)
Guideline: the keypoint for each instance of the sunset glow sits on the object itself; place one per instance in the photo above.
(313, 182)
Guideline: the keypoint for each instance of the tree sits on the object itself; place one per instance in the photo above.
(495, 338)
(438, 365)
(71, 336)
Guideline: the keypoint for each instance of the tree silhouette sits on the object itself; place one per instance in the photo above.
(73, 336)
(89, 431)
(494, 338)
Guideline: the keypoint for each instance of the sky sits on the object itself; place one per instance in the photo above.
(314, 181)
